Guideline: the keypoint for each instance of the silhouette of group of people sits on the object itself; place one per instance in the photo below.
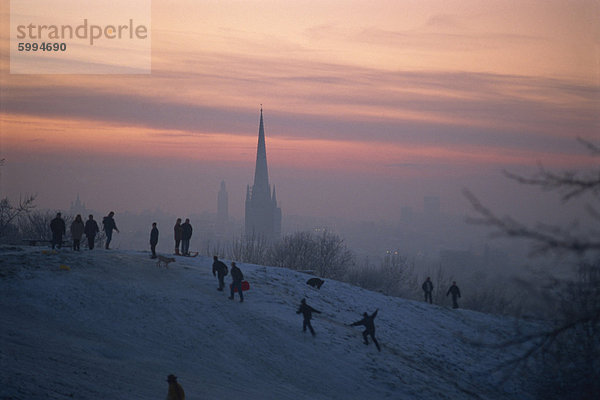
(237, 277)
(368, 321)
(183, 234)
(90, 229)
(453, 290)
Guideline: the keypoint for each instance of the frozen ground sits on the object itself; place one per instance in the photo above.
(113, 326)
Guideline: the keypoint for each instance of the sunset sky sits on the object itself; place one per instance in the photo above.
(368, 107)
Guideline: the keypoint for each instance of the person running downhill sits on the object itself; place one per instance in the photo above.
(369, 325)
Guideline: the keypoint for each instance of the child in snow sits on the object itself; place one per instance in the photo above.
(307, 311)
(369, 324)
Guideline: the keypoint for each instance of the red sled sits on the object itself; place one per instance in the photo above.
(245, 286)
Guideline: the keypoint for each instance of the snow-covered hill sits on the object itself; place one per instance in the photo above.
(113, 326)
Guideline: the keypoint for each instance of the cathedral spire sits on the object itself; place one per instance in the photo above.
(263, 217)
(261, 188)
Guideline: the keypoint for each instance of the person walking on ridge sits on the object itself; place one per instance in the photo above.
(455, 292)
(109, 225)
(186, 235)
(178, 231)
(91, 229)
(428, 288)
(77, 230)
(58, 228)
(153, 239)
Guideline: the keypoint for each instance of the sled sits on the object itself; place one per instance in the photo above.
(245, 286)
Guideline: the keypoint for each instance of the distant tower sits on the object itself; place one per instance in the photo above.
(222, 206)
(263, 217)
(77, 207)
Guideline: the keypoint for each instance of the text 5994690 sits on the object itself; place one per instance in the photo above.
(44, 46)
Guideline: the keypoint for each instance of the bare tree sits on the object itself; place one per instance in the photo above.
(252, 249)
(570, 347)
(333, 257)
(9, 213)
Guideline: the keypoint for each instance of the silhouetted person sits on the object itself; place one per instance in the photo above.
(109, 225)
(58, 228)
(77, 230)
(153, 239)
(428, 288)
(186, 235)
(175, 390)
(369, 324)
(236, 282)
(307, 311)
(219, 270)
(178, 231)
(455, 292)
(91, 229)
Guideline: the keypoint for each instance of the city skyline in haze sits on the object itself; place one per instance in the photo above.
(369, 107)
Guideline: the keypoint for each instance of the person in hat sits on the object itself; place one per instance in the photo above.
(175, 390)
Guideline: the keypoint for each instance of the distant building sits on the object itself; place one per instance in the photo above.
(77, 207)
(263, 216)
(222, 206)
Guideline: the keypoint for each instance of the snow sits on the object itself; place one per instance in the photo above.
(114, 325)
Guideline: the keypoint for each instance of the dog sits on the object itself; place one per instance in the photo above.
(315, 282)
(164, 260)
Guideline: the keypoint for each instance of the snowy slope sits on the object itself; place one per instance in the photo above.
(114, 326)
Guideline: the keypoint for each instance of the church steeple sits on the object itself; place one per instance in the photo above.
(261, 187)
(263, 217)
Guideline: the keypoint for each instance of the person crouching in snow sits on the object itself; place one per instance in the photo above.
(368, 322)
(175, 390)
(220, 270)
(307, 311)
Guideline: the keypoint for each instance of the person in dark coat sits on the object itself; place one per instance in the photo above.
(153, 239)
(455, 292)
(369, 324)
(91, 229)
(219, 270)
(58, 228)
(178, 232)
(77, 229)
(236, 283)
(428, 288)
(175, 390)
(307, 311)
(186, 235)
(109, 225)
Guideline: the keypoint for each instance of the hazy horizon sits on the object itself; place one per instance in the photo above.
(368, 108)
